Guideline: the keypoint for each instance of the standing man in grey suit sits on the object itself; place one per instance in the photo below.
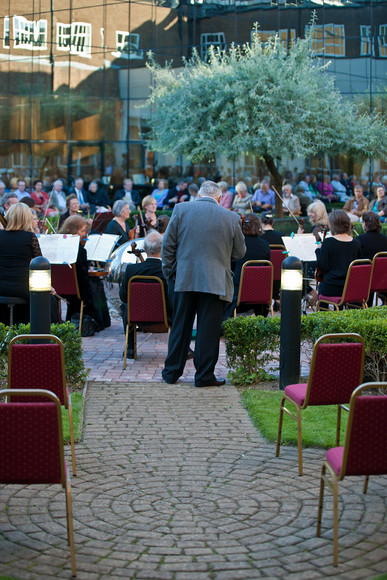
(201, 240)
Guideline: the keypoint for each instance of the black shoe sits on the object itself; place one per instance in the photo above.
(214, 383)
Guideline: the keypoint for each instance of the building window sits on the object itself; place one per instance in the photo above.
(31, 34)
(127, 45)
(6, 43)
(328, 40)
(216, 39)
(365, 40)
(74, 38)
(382, 40)
(285, 36)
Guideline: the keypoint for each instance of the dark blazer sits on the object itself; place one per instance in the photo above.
(99, 198)
(136, 197)
(371, 243)
(150, 267)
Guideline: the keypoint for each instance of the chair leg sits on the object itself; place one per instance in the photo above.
(135, 342)
(81, 317)
(70, 527)
(70, 409)
(335, 491)
(299, 440)
(320, 501)
(365, 486)
(338, 425)
(126, 344)
(281, 416)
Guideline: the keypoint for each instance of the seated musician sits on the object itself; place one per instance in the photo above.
(119, 225)
(150, 267)
(91, 290)
(336, 254)
(149, 206)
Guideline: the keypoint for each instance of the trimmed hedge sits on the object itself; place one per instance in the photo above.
(76, 374)
(252, 342)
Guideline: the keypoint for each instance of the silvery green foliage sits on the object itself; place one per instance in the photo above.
(258, 99)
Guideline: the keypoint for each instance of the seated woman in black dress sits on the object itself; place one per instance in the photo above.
(19, 245)
(256, 249)
(119, 225)
(91, 290)
(372, 241)
(336, 254)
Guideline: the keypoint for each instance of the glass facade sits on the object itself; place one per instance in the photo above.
(73, 76)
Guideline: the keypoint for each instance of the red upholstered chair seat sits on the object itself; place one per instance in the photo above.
(335, 299)
(335, 457)
(297, 392)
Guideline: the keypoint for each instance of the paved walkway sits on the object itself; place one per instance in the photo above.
(174, 483)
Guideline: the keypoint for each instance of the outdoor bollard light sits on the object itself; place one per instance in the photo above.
(290, 335)
(40, 295)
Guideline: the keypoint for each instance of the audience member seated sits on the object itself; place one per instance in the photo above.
(130, 195)
(379, 204)
(356, 206)
(72, 205)
(242, 200)
(263, 198)
(177, 194)
(7, 200)
(150, 267)
(326, 191)
(290, 202)
(226, 199)
(90, 289)
(2, 188)
(347, 184)
(372, 241)
(149, 206)
(40, 196)
(256, 249)
(80, 193)
(339, 189)
(336, 254)
(305, 182)
(22, 189)
(19, 245)
(193, 191)
(161, 192)
(57, 198)
(97, 198)
(119, 225)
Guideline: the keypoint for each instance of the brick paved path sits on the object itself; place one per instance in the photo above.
(174, 483)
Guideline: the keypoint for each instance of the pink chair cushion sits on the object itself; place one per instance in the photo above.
(335, 457)
(296, 392)
(335, 299)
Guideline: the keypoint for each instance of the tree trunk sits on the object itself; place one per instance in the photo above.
(277, 183)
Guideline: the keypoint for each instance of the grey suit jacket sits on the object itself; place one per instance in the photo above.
(201, 240)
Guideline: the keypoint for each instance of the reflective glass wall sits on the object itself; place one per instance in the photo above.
(73, 76)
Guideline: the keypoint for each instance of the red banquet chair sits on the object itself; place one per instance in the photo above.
(146, 304)
(64, 280)
(277, 256)
(364, 450)
(335, 371)
(41, 366)
(31, 446)
(256, 284)
(356, 288)
(379, 275)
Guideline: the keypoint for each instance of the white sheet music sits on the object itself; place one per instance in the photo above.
(98, 248)
(303, 246)
(59, 248)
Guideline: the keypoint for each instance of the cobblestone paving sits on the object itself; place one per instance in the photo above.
(174, 483)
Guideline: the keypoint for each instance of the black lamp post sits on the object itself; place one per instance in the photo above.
(290, 334)
(40, 295)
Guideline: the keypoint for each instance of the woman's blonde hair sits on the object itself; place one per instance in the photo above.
(72, 224)
(19, 218)
(240, 186)
(320, 211)
(148, 199)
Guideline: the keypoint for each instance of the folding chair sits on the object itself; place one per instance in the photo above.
(336, 370)
(64, 280)
(31, 446)
(256, 284)
(356, 288)
(146, 304)
(277, 256)
(363, 453)
(379, 275)
(41, 366)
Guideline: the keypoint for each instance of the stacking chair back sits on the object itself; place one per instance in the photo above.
(336, 370)
(356, 288)
(64, 280)
(277, 256)
(379, 274)
(364, 450)
(40, 366)
(146, 304)
(31, 445)
(256, 283)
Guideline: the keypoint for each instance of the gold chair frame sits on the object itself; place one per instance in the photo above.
(299, 408)
(337, 306)
(334, 484)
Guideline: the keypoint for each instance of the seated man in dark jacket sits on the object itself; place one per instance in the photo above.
(129, 194)
(150, 267)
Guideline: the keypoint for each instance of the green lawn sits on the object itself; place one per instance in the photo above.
(77, 404)
(318, 423)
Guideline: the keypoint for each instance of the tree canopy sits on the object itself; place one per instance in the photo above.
(261, 99)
